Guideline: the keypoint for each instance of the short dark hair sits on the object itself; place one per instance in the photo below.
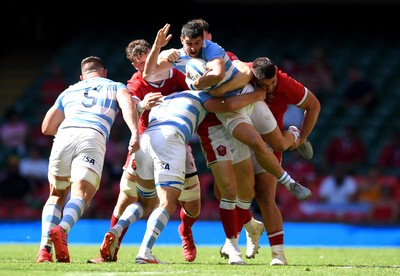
(202, 22)
(192, 29)
(136, 49)
(263, 68)
(97, 62)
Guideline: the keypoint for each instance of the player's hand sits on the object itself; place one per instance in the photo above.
(171, 55)
(163, 37)
(134, 145)
(151, 100)
(260, 93)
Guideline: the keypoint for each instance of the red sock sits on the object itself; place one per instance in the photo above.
(187, 222)
(275, 238)
(244, 216)
(113, 221)
(229, 221)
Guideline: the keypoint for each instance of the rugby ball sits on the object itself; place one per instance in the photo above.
(195, 68)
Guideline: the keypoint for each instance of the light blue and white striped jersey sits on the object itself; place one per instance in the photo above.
(209, 51)
(181, 111)
(90, 103)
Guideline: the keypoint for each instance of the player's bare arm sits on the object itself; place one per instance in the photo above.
(130, 115)
(52, 120)
(219, 105)
(155, 65)
(240, 80)
(311, 107)
(214, 75)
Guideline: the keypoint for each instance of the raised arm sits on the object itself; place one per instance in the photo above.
(154, 65)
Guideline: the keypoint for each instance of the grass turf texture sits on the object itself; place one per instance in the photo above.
(20, 259)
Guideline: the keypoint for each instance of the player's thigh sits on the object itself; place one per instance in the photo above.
(262, 118)
(231, 120)
(90, 152)
(144, 159)
(191, 168)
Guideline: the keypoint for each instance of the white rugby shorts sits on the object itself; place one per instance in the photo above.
(220, 145)
(162, 157)
(257, 114)
(130, 167)
(76, 147)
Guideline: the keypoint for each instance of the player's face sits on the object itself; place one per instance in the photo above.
(192, 46)
(138, 63)
(268, 85)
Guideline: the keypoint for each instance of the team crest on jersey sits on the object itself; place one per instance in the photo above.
(221, 150)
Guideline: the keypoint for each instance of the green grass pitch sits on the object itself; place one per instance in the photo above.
(20, 259)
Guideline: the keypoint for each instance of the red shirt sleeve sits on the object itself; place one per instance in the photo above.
(232, 56)
(288, 91)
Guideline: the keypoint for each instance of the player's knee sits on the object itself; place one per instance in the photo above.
(192, 208)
